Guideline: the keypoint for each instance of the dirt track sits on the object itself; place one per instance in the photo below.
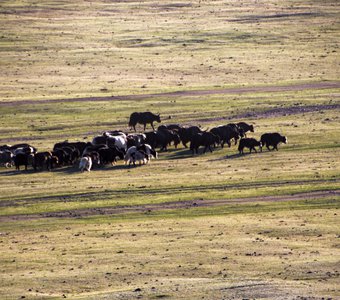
(240, 90)
(147, 208)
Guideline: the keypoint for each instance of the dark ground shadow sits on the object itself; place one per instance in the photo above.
(14, 172)
(71, 169)
(179, 153)
(173, 154)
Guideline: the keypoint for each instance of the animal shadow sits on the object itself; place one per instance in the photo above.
(179, 153)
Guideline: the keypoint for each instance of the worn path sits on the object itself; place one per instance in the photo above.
(238, 90)
(147, 208)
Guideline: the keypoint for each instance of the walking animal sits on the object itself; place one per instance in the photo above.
(249, 143)
(273, 139)
(143, 118)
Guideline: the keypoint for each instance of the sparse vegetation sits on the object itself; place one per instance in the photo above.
(213, 226)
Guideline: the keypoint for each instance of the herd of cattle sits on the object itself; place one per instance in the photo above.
(135, 147)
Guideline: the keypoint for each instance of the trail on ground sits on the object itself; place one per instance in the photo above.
(239, 90)
(148, 208)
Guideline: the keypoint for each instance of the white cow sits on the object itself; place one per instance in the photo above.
(148, 150)
(85, 163)
(134, 155)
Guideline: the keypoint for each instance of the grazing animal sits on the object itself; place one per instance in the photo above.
(273, 139)
(166, 136)
(6, 158)
(120, 141)
(128, 154)
(245, 127)
(186, 134)
(42, 159)
(151, 138)
(23, 148)
(173, 127)
(140, 156)
(133, 154)
(95, 157)
(236, 132)
(22, 159)
(85, 164)
(109, 155)
(226, 133)
(100, 140)
(135, 139)
(63, 151)
(162, 138)
(114, 133)
(143, 118)
(61, 155)
(5, 147)
(249, 143)
(53, 161)
(96, 148)
(71, 154)
(206, 139)
(148, 150)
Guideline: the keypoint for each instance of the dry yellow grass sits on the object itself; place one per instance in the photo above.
(281, 255)
(113, 48)
(273, 250)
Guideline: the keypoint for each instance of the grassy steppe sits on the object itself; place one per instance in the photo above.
(241, 248)
(87, 48)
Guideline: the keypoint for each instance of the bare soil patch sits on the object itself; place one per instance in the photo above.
(258, 18)
(148, 208)
(275, 112)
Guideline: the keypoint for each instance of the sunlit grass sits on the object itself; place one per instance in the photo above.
(85, 49)
(96, 50)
